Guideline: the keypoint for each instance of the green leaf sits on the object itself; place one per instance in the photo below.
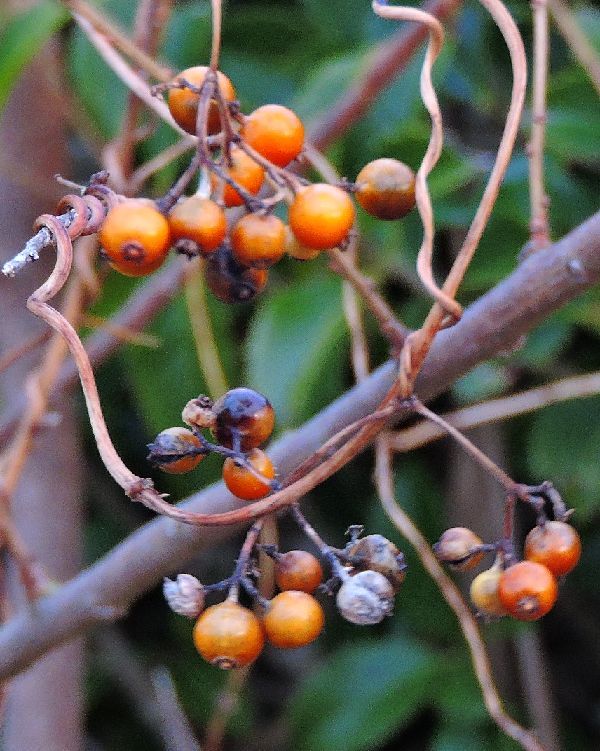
(571, 135)
(293, 350)
(22, 38)
(362, 694)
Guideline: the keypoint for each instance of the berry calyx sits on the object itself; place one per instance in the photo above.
(231, 282)
(484, 592)
(527, 590)
(385, 188)
(243, 415)
(244, 171)
(183, 102)
(245, 485)
(293, 619)
(169, 449)
(321, 216)
(298, 570)
(199, 220)
(275, 132)
(555, 545)
(365, 599)
(459, 547)
(135, 237)
(258, 241)
(228, 635)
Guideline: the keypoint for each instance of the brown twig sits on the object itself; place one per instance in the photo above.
(450, 592)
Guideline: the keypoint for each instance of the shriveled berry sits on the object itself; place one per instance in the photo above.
(183, 102)
(293, 619)
(298, 570)
(243, 483)
(185, 595)
(365, 599)
(231, 282)
(386, 188)
(173, 451)
(228, 635)
(527, 590)
(459, 547)
(555, 545)
(377, 553)
(243, 414)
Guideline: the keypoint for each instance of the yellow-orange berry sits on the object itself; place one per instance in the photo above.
(386, 188)
(293, 619)
(244, 171)
(484, 592)
(135, 237)
(201, 220)
(228, 635)
(183, 103)
(527, 590)
(275, 132)
(242, 483)
(258, 240)
(295, 250)
(321, 215)
(298, 570)
(168, 448)
(555, 545)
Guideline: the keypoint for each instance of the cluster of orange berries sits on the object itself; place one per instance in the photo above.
(230, 635)
(240, 421)
(525, 590)
(136, 235)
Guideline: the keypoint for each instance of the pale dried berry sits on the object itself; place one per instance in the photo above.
(377, 553)
(198, 413)
(185, 595)
(366, 598)
(460, 548)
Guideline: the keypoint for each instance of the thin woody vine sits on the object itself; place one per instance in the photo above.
(241, 204)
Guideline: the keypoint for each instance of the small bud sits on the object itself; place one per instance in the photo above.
(377, 553)
(185, 595)
(366, 598)
(460, 548)
(199, 413)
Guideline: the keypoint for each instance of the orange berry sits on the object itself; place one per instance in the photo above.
(386, 188)
(183, 103)
(275, 132)
(201, 220)
(321, 215)
(247, 173)
(293, 619)
(243, 413)
(484, 592)
(458, 547)
(555, 545)
(170, 443)
(229, 281)
(242, 483)
(228, 635)
(297, 251)
(527, 590)
(258, 240)
(298, 570)
(135, 237)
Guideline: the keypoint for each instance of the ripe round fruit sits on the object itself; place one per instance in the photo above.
(293, 619)
(183, 103)
(458, 547)
(555, 545)
(298, 570)
(244, 171)
(386, 188)
(170, 443)
(484, 592)
(527, 590)
(321, 216)
(243, 413)
(135, 237)
(242, 483)
(201, 220)
(295, 250)
(228, 635)
(275, 132)
(258, 240)
(229, 281)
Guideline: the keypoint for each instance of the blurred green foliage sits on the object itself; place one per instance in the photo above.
(408, 683)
